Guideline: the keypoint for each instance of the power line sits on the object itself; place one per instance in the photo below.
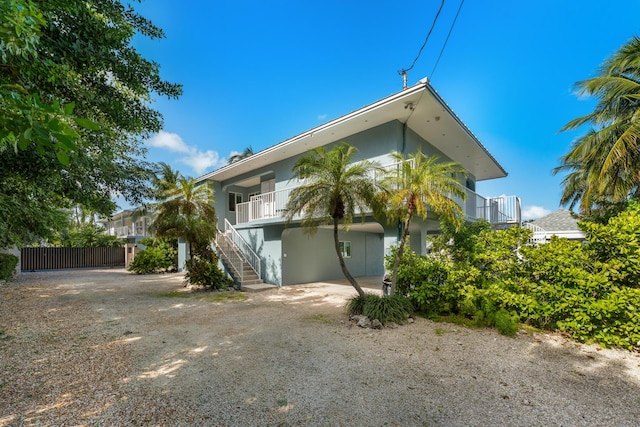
(447, 39)
(404, 71)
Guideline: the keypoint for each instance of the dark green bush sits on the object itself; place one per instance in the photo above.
(356, 305)
(204, 271)
(8, 264)
(496, 278)
(424, 280)
(506, 324)
(159, 256)
(395, 308)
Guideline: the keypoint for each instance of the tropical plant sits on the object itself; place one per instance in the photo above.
(203, 271)
(248, 152)
(335, 191)
(604, 164)
(164, 181)
(88, 236)
(186, 213)
(388, 308)
(418, 185)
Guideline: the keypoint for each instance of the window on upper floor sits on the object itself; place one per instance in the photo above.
(234, 199)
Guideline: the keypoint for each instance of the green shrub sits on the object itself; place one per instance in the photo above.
(204, 271)
(160, 255)
(150, 260)
(395, 308)
(506, 324)
(8, 264)
(496, 278)
(617, 245)
(355, 306)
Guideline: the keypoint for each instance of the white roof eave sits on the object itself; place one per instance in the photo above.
(418, 106)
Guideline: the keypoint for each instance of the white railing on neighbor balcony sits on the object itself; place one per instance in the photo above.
(540, 235)
(496, 210)
(245, 249)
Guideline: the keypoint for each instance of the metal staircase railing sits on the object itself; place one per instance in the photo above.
(241, 251)
(231, 255)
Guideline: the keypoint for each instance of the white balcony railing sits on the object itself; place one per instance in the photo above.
(272, 205)
(499, 210)
(118, 231)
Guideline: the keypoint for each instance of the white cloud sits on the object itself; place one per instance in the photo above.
(198, 161)
(534, 212)
(170, 141)
(322, 116)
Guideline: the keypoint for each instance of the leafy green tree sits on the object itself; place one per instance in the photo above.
(88, 236)
(604, 164)
(186, 213)
(74, 96)
(336, 190)
(421, 183)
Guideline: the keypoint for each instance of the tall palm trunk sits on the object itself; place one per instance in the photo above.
(403, 240)
(343, 266)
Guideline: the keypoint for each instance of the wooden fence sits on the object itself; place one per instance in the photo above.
(62, 258)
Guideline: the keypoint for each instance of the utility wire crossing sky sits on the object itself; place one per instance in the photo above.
(257, 73)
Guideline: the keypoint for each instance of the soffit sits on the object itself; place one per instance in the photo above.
(419, 106)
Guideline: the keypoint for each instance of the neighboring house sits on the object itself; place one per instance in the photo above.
(560, 223)
(251, 194)
(128, 224)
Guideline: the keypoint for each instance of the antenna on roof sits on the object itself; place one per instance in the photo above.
(403, 73)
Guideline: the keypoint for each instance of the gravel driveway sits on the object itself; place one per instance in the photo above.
(104, 347)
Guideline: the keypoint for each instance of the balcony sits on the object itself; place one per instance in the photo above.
(272, 206)
(118, 231)
(128, 231)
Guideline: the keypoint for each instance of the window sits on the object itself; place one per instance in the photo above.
(345, 249)
(252, 194)
(234, 199)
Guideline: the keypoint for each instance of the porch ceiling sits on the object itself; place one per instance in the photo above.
(419, 106)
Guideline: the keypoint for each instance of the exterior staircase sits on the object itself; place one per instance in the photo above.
(240, 261)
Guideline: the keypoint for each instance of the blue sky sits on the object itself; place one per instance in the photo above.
(256, 73)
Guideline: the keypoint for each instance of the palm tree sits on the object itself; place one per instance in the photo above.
(420, 183)
(239, 156)
(165, 180)
(186, 213)
(604, 164)
(335, 191)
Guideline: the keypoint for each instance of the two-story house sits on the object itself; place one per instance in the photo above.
(251, 194)
(128, 224)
